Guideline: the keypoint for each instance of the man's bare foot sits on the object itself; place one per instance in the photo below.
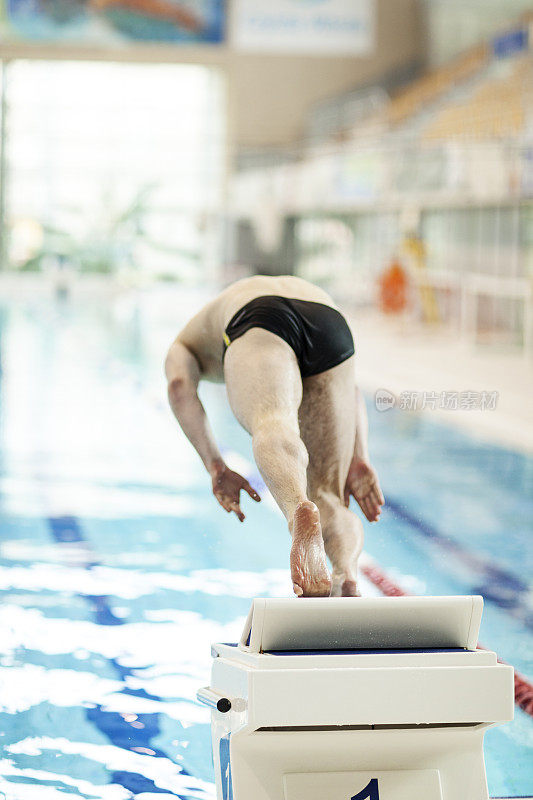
(362, 482)
(309, 570)
(341, 586)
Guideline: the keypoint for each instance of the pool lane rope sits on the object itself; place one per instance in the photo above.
(523, 688)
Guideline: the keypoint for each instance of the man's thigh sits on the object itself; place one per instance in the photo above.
(327, 427)
(262, 377)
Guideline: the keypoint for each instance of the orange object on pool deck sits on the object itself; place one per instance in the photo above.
(393, 284)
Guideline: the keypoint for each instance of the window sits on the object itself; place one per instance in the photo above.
(114, 166)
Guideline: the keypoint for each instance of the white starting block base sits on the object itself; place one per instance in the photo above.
(356, 699)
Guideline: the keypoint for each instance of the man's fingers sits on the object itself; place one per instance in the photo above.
(367, 509)
(373, 510)
(230, 505)
(237, 509)
(375, 505)
(223, 502)
(377, 497)
(253, 494)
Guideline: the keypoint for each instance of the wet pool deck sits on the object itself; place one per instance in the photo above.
(406, 357)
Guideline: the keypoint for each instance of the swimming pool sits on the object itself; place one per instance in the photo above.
(117, 568)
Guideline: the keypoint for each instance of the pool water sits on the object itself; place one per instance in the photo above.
(117, 567)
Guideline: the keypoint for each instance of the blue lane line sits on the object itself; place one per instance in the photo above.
(498, 586)
(65, 529)
(120, 732)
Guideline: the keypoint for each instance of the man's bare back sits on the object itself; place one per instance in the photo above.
(308, 424)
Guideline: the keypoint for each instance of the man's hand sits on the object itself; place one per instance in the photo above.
(362, 482)
(227, 487)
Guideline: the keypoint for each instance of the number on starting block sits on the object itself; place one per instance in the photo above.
(370, 792)
(387, 785)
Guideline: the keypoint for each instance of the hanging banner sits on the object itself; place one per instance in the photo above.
(105, 22)
(334, 27)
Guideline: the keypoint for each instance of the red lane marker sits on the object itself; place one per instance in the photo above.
(523, 688)
(384, 583)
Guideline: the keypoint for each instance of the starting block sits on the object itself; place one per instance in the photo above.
(356, 699)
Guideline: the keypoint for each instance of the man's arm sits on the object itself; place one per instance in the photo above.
(183, 375)
(362, 481)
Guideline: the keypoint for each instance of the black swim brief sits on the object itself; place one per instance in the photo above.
(318, 334)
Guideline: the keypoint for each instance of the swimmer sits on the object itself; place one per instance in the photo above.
(286, 355)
